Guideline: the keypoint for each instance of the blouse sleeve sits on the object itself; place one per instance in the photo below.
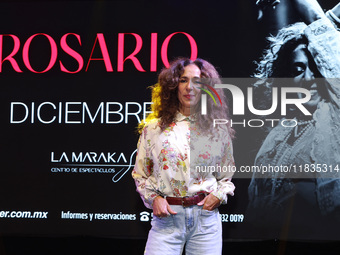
(143, 171)
(324, 45)
(224, 185)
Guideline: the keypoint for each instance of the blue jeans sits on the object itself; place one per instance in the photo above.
(199, 229)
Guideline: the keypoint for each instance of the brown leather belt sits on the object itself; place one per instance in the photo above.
(186, 201)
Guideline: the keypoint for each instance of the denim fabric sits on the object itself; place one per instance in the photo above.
(199, 230)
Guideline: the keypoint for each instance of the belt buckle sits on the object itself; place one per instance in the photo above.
(183, 198)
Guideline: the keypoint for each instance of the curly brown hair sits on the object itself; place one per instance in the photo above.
(165, 96)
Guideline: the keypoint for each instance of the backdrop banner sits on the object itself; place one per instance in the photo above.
(75, 78)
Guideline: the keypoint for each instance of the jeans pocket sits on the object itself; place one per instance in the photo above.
(208, 221)
(163, 224)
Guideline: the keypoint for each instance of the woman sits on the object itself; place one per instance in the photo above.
(176, 139)
(304, 51)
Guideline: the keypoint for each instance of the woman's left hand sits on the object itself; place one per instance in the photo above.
(210, 202)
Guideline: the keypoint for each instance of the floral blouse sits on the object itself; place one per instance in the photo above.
(181, 162)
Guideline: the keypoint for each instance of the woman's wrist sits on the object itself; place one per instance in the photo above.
(309, 10)
(333, 18)
(336, 10)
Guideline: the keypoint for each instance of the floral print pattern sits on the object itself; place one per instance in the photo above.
(166, 162)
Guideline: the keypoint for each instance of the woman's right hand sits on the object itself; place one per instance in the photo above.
(161, 208)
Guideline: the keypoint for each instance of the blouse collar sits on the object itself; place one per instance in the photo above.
(181, 117)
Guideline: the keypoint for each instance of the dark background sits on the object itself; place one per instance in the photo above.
(227, 34)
